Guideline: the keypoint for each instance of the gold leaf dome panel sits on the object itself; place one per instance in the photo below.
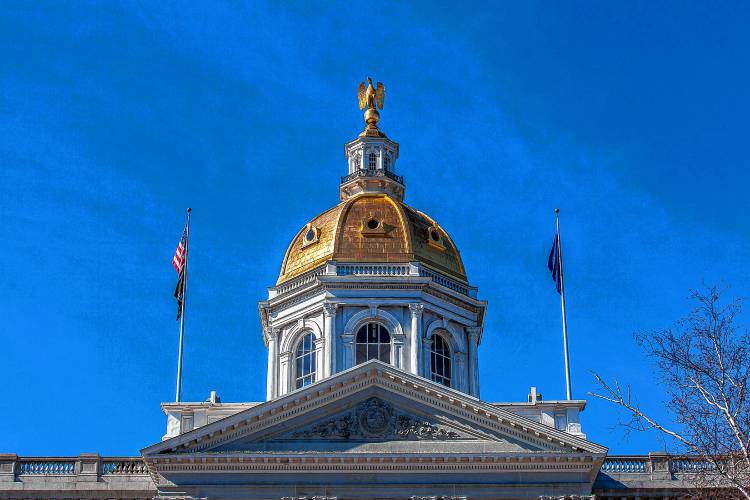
(372, 227)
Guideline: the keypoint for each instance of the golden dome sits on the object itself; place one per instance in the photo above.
(372, 227)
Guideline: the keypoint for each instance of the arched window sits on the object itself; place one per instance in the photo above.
(304, 361)
(440, 360)
(387, 163)
(373, 161)
(373, 342)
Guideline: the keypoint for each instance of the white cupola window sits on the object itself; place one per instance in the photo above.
(372, 161)
(387, 163)
(373, 342)
(304, 361)
(440, 360)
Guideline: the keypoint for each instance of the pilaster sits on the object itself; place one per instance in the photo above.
(272, 367)
(426, 366)
(460, 380)
(320, 354)
(347, 340)
(415, 335)
(473, 338)
(285, 373)
(329, 317)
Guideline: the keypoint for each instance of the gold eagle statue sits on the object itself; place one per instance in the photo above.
(370, 97)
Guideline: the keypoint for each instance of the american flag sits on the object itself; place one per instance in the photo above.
(178, 262)
(179, 255)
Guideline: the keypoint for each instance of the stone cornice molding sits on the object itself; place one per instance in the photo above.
(369, 463)
(374, 283)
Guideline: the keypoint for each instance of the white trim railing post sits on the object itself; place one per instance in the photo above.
(8, 467)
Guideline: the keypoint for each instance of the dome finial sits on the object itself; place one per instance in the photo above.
(371, 98)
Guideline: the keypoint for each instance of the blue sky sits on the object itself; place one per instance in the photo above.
(115, 116)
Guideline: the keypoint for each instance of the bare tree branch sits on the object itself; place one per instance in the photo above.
(704, 363)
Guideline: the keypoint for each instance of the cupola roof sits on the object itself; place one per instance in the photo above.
(372, 228)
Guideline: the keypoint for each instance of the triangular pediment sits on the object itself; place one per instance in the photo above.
(374, 407)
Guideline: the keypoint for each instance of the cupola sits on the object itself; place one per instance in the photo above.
(371, 157)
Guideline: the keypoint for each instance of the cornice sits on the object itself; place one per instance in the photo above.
(363, 462)
(327, 284)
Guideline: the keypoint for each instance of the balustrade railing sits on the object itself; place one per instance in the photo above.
(124, 467)
(655, 464)
(372, 173)
(46, 467)
(91, 464)
(372, 269)
(299, 281)
(369, 269)
(448, 283)
(626, 464)
(687, 465)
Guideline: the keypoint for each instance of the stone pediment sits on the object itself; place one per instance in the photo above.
(370, 408)
(372, 426)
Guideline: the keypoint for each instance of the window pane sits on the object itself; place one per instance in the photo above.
(373, 342)
(362, 335)
(304, 361)
(440, 360)
(385, 355)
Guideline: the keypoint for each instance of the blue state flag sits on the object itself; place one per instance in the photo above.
(554, 264)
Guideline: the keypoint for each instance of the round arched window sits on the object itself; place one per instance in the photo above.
(373, 342)
(440, 360)
(304, 361)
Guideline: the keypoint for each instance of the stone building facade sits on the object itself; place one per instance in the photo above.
(372, 330)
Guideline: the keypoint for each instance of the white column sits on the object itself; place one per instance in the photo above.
(415, 337)
(329, 363)
(273, 360)
(473, 332)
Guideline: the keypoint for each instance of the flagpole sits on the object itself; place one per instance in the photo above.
(182, 309)
(568, 389)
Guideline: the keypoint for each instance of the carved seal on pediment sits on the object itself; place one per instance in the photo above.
(376, 419)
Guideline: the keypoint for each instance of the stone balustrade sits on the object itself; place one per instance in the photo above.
(333, 268)
(13, 467)
(654, 463)
(656, 475)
